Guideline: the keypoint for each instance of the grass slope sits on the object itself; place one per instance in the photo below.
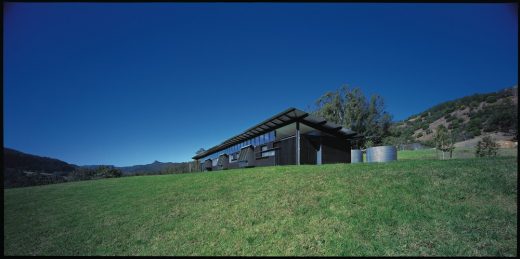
(459, 152)
(411, 207)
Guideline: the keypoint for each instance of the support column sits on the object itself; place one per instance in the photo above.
(297, 142)
(319, 153)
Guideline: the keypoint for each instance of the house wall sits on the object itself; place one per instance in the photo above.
(335, 150)
(309, 146)
(286, 153)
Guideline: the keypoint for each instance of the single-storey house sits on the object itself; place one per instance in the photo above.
(292, 137)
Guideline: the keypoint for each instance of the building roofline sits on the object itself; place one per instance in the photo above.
(277, 121)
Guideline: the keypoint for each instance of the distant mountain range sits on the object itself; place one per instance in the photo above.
(14, 159)
(156, 166)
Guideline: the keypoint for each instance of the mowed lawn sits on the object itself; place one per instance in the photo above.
(459, 152)
(409, 207)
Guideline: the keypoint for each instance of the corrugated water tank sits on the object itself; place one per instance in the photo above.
(381, 154)
(356, 156)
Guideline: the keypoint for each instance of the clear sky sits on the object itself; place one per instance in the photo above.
(130, 83)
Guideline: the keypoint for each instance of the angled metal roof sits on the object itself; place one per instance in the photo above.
(279, 120)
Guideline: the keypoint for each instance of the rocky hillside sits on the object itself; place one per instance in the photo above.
(469, 118)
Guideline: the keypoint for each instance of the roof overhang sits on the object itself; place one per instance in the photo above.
(277, 121)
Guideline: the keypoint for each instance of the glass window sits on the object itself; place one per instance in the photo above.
(266, 153)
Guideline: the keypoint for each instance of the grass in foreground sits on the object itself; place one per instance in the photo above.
(415, 207)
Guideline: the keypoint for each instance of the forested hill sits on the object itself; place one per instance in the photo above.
(21, 161)
(466, 117)
(17, 160)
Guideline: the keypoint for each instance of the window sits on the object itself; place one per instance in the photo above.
(266, 153)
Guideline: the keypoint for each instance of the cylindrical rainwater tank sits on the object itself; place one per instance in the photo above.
(381, 154)
(356, 156)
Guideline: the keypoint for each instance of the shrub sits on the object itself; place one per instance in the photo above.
(486, 147)
(491, 99)
(475, 132)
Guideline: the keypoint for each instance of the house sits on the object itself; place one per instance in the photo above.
(292, 137)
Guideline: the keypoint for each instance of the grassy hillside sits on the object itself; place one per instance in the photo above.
(467, 117)
(409, 207)
(458, 153)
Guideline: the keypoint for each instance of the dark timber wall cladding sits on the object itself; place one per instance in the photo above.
(286, 154)
(208, 165)
(309, 146)
(335, 150)
(264, 161)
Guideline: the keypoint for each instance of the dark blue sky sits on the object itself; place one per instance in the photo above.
(130, 83)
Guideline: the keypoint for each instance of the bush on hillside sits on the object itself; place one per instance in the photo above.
(486, 147)
(491, 99)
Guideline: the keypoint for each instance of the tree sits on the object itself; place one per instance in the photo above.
(330, 106)
(486, 147)
(377, 121)
(350, 109)
(444, 140)
(108, 172)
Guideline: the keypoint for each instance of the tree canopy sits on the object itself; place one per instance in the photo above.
(350, 108)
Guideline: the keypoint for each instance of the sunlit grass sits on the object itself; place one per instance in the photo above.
(431, 153)
(410, 207)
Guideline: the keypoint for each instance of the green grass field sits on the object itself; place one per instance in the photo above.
(457, 153)
(409, 207)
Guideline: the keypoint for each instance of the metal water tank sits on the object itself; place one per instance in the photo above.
(356, 156)
(381, 154)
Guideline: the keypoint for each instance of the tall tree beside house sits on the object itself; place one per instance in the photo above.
(350, 108)
(356, 110)
(331, 106)
(378, 120)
